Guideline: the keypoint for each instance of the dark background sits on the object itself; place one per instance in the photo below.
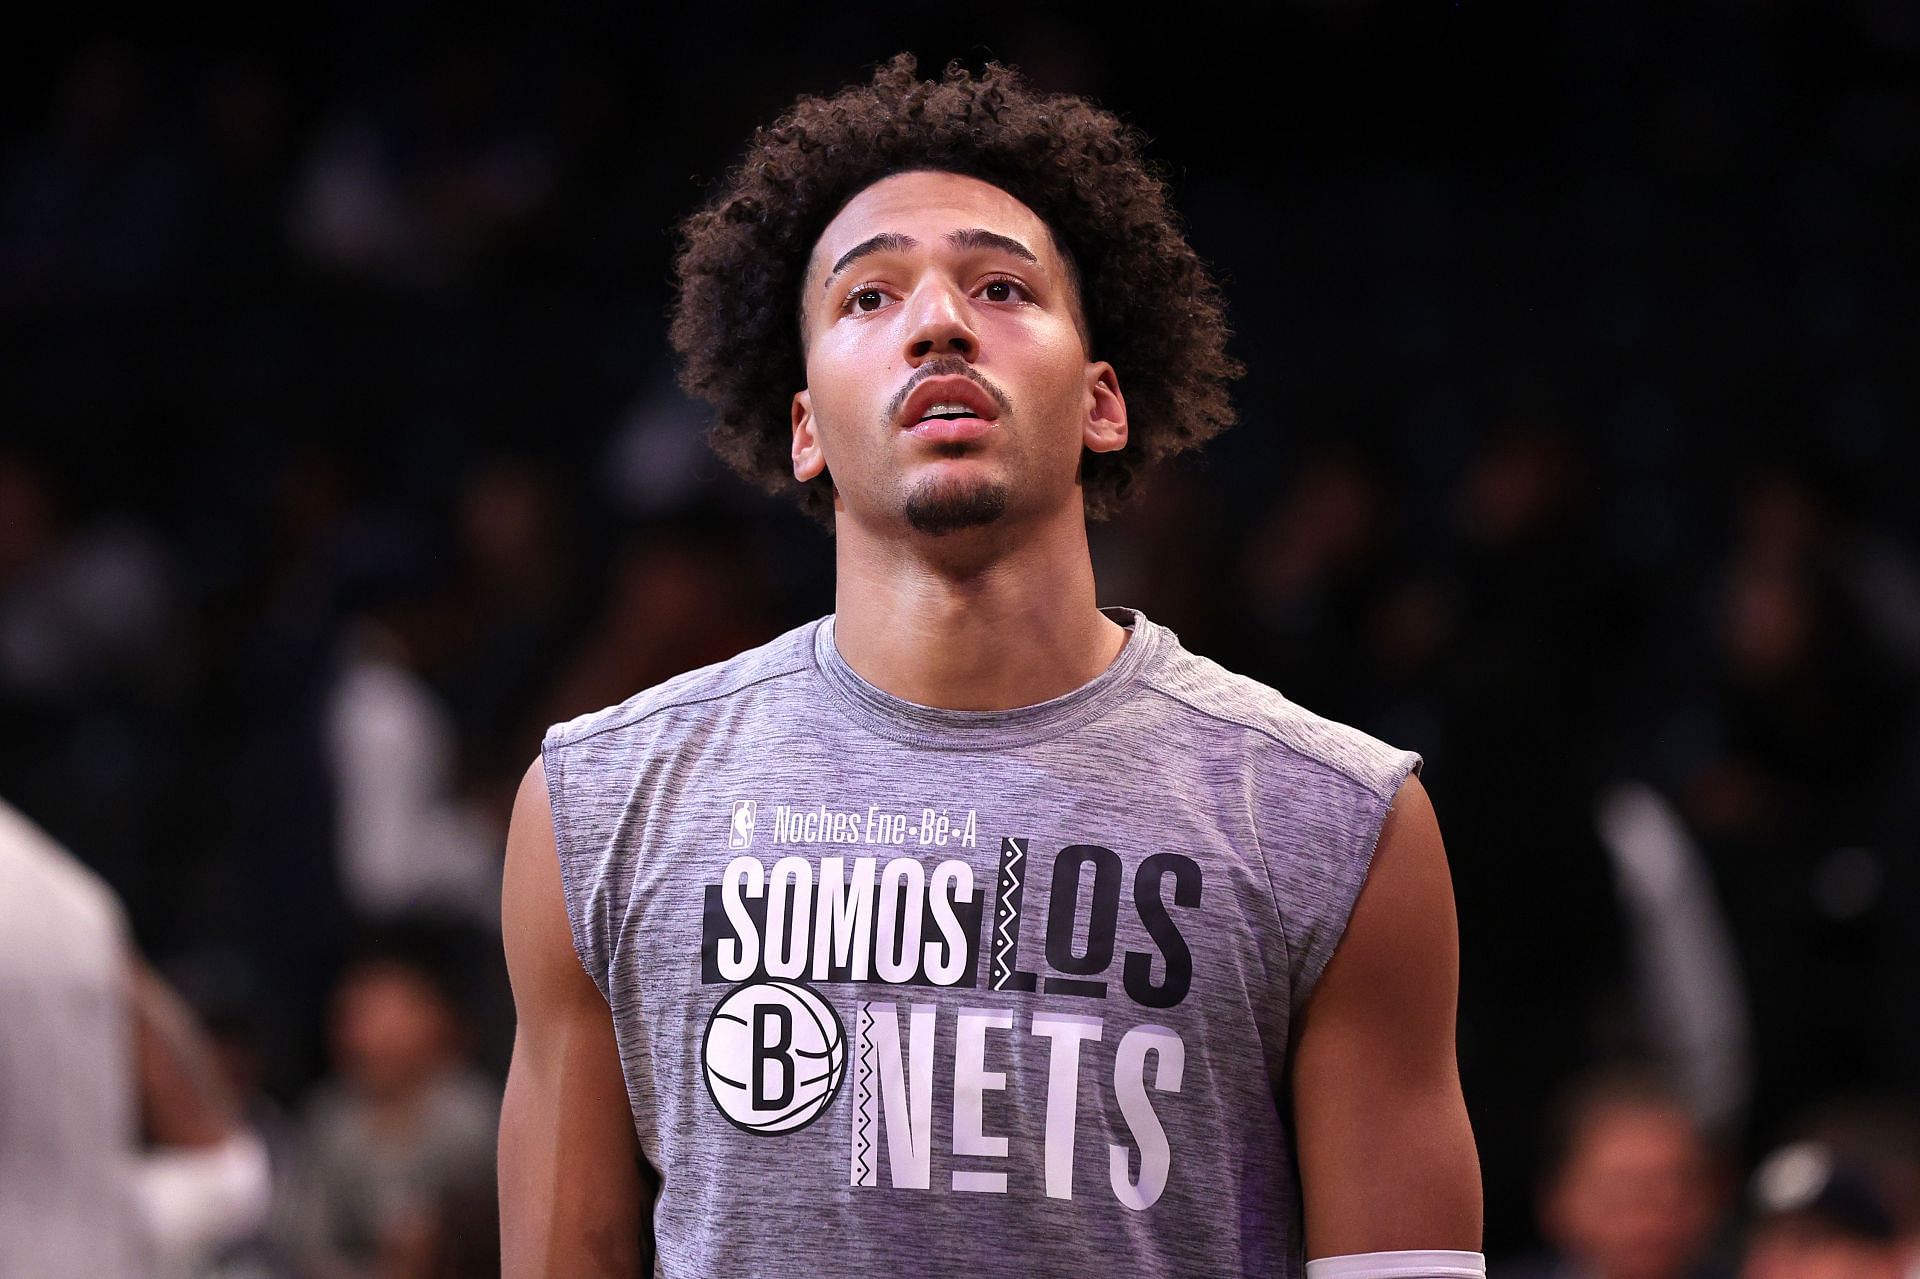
(1577, 446)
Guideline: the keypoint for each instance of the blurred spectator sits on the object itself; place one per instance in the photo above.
(518, 593)
(407, 838)
(678, 599)
(96, 1051)
(414, 191)
(1879, 1138)
(1630, 1187)
(1693, 1007)
(1791, 823)
(1496, 644)
(396, 1162)
(1817, 1217)
(1309, 570)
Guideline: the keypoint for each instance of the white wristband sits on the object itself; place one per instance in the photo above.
(198, 1199)
(1425, 1263)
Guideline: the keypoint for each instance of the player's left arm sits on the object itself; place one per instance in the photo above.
(1387, 1157)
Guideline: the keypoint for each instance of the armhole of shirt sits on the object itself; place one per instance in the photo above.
(1354, 863)
(580, 898)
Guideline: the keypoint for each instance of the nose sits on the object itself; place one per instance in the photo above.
(941, 325)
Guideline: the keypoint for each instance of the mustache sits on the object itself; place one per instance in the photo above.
(946, 366)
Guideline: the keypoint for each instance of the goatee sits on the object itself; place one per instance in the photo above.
(937, 509)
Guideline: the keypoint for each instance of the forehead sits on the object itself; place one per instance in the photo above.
(925, 205)
(1629, 1122)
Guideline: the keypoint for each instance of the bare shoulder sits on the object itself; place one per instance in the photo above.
(541, 961)
(1394, 979)
(533, 859)
(1409, 879)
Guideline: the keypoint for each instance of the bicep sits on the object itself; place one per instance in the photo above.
(1387, 1158)
(572, 1197)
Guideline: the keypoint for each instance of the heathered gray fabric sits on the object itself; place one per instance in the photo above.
(933, 1129)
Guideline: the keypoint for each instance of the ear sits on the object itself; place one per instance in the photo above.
(1105, 430)
(808, 459)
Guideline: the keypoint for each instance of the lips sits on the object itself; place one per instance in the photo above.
(948, 390)
(950, 430)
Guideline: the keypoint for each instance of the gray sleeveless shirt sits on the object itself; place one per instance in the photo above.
(901, 989)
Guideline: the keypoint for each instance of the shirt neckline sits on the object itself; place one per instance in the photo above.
(943, 729)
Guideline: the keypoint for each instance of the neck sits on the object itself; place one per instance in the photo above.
(963, 624)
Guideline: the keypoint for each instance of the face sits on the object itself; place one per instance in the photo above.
(1637, 1198)
(391, 1030)
(933, 293)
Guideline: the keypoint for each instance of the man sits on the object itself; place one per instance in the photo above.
(401, 1133)
(972, 927)
(1632, 1186)
(98, 1051)
(1817, 1217)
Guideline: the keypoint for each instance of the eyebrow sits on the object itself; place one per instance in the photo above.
(965, 238)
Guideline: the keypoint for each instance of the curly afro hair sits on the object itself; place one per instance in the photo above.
(1149, 305)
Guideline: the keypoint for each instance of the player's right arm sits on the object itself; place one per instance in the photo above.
(572, 1198)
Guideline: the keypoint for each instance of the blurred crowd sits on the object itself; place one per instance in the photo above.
(342, 456)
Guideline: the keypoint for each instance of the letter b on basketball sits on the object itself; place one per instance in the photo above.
(775, 1054)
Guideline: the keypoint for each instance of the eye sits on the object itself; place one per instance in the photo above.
(866, 298)
(1002, 290)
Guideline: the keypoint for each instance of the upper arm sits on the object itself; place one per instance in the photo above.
(1387, 1158)
(572, 1197)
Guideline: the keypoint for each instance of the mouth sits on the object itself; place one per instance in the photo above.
(949, 410)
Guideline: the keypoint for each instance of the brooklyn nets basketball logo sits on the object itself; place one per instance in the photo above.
(775, 1054)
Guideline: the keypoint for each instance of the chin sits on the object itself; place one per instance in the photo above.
(938, 507)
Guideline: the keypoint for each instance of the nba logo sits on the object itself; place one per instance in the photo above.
(741, 833)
